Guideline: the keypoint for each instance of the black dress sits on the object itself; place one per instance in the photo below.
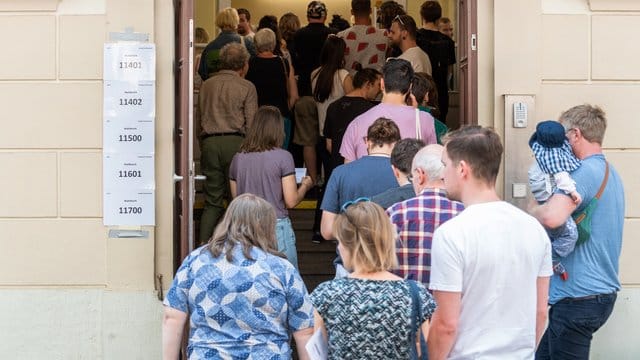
(269, 76)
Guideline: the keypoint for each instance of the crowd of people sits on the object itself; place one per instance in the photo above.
(431, 263)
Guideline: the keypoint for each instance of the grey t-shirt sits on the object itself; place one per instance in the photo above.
(261, 173)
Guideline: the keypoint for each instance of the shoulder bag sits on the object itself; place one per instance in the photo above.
(583, 217)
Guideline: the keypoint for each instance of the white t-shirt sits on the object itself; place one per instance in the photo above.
(492, 253)
(419, 59)
(366, 45)
(337, 91)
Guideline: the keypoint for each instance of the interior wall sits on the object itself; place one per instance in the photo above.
(259, 8)
(449, 10)
(204, 16)
(205, 10)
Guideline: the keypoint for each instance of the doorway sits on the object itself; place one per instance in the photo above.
(186, 150)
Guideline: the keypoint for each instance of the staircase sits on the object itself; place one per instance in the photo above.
(315, 261)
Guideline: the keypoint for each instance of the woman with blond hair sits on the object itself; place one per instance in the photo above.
(288, 25)
(264, 169)
(242, 298)
(372, 313)
(227, 20)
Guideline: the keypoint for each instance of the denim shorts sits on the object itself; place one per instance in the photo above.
(287, 240)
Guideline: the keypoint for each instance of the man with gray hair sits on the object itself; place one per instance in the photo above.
(228, 104)
(416, 219)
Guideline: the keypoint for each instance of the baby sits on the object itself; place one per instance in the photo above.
(550, 172)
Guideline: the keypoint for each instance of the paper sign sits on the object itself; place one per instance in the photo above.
(129, 100)
(129, 62)
(128, 171)
(317, 346)
(129, 207)
(128, 136)
(300, 173)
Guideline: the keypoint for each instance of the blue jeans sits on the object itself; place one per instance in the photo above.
(572, 323)
(287, 240)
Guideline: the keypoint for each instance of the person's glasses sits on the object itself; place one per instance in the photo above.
(398, 19)
(351, 202)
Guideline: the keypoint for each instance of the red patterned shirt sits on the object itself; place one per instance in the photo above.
(416, 220)
(366, 46)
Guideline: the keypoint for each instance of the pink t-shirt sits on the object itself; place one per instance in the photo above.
(353, 144)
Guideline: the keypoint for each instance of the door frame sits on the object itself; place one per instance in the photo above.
(184, 165)
(468, 61)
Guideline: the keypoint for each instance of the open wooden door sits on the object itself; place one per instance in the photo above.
(183, 140)
(468, 52)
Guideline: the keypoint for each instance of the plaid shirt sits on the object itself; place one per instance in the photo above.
(555, 160)
(415, 221)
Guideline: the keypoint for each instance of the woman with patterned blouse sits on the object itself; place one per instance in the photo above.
(368, 314)
(242, 298)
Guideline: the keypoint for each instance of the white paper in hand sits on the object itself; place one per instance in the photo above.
(317, 346)
(300, 173)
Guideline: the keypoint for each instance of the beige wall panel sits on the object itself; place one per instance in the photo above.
(614, 47)
(517, 50)
(565, 6)
(614, 99)
(80, 184)
(81, 40)
(80, 324)
(29, 186)
(131, 325)
(52, 252)
(82, 7)
(29, 5)
(614, 5)
(51, 115)
(565, 53)
(28, 45)
(130, 263)
(618, 338)
(629, 269)
(50, 324)
(137, 14)
(626, 162)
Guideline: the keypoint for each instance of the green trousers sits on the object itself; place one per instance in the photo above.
(217, 153)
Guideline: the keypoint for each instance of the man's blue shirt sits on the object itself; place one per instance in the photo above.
(593, 266)
(367, 176)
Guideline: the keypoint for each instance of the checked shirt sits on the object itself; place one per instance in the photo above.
(555, 160)
(415, 221)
